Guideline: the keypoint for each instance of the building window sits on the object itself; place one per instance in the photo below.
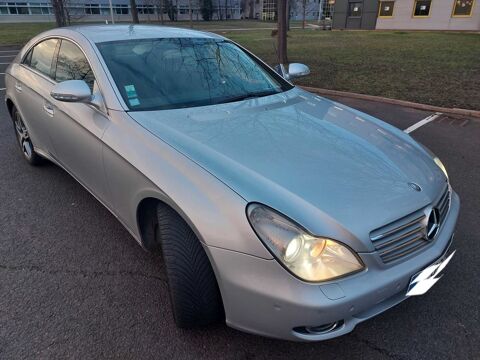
(92, 9)
(39, 9)
(145, 9)
(121, 9)
(269, 10)
(463, 8)
(17, 8)
(104, 10)
(386, 9)
(422, 8)
(355, 9)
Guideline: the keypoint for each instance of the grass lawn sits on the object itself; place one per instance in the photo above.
(19, 33)
(438, 68)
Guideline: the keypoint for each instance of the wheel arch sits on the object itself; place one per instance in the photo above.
(147, 224)
(10, 104)
(146, 218)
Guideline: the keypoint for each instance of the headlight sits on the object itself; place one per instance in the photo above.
(309, 257)
(441, 166)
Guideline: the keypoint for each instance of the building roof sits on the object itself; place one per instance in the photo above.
(103, 33)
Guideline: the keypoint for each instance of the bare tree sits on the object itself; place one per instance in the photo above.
(219, 13)
(190, 13)
(160, 5)
(206, 9)
(133, 9)
(161, 10)
(148, 9)
(282, 31)
(304, 13)
(61, 12)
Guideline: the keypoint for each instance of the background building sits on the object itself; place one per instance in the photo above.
(429, 15)
(99, 10)
(340, 14)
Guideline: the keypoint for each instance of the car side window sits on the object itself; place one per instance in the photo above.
(41, 56)
(73, 65)
(28, 58)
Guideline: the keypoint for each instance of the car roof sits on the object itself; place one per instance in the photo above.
(104, 33)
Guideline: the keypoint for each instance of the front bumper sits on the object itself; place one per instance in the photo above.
(261, 297)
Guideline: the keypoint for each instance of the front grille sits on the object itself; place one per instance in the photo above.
(408, 234)
(443, 205)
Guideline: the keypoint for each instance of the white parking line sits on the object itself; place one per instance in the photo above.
(4, 63)
(2, 89)
(8, 55)
(2, 51)
(422, 122)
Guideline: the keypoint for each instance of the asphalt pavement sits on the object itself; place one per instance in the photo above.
(74, 283)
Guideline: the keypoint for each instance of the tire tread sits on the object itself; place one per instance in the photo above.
(194, 292)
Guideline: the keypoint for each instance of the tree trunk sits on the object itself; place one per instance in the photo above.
(304, 15)
(59, 12)
(161, 11)
(190, 13)
(133, 9)
(288, 14)
(282, 31)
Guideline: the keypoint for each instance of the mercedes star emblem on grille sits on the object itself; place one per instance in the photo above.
(433, 224)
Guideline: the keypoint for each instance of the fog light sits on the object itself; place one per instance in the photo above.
(319, 330)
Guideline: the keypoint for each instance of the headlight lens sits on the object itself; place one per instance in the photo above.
(441, 166)
(309, 257)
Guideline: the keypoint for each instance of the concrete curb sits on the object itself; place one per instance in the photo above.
(410, 104)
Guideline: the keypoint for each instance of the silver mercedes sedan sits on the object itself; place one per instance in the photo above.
(278, 211)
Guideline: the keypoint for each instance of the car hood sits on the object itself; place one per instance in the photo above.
(336, 171)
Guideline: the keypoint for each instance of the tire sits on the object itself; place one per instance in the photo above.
(194, 293)
(24, 141)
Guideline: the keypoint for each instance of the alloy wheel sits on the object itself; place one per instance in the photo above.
(22, 136)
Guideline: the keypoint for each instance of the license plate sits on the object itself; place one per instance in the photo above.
(422, 281)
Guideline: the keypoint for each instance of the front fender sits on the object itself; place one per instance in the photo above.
(138, 165)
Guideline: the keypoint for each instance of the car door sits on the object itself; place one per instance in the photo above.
(76, 129)
(33, 84)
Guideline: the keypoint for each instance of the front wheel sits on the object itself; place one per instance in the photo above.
(194, 292)
(24, 140)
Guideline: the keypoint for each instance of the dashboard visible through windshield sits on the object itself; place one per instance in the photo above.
(171, 73)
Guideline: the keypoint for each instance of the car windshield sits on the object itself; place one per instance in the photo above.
(171, 73)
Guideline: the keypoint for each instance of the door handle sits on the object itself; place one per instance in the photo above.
(48, 108)
(18, 87)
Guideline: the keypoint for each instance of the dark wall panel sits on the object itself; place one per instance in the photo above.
(367, 21)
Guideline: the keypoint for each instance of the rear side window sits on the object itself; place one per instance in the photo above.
(73, 65)
(42, 56)
(28, 58)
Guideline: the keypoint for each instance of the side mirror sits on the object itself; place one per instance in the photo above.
(296, 70)
(72, 91)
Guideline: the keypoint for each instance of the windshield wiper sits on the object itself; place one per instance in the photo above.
(251, 95)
